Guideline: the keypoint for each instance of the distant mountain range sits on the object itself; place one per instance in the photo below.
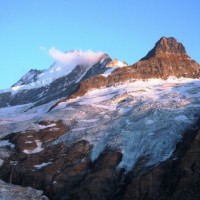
(94, 128)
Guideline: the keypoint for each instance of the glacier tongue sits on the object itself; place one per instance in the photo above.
(142, 119)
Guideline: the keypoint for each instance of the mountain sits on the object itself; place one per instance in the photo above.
(106, 130)
(39, 87)
(168, 58)
(28, 78)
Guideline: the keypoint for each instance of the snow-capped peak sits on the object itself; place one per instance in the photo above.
(112, 65)
(115, 63)
(29, 77)
(66, 62)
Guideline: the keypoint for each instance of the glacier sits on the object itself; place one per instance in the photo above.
(141, 119)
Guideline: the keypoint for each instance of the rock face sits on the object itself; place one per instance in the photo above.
(166, 46)
(167, 58)
(10, 192)
(61, 172)
(68, 173)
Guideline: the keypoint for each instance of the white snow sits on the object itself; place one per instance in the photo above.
(149, 122)
(108, 72)
(91, 99)
(112, 66)
(4, 143)
(28, 142)
(38, 149)
(123, 111)
(47, 126)
(1, 162)
(89, 120)
(79, 129)
(181, 118)
(40, 166)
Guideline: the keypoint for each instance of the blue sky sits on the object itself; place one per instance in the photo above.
(125, 29)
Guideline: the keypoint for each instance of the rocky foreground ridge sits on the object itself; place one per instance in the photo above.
(108, 131)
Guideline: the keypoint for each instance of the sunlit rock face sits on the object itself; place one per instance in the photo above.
(122, 132)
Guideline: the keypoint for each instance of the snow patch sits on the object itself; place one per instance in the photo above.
(181, 118)
(89, 120)
(38, 149)
(28, 142)
(96, 99)
(40, 166)
(149, 122)
(123, 111)
(4, 143)
(108, 72)
(1, 162)
(47, 126)
(79, 129)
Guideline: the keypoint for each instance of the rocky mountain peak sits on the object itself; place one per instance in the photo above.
(166, 46)
(115, 63)
(29, 77)
(102, 130)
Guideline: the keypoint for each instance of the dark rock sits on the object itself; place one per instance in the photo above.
(102, 182)
(27, 141)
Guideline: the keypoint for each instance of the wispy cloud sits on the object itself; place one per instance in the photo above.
(73, 58)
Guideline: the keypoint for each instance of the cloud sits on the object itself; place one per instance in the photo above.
(73, 58)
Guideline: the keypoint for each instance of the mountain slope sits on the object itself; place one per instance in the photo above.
(120, 134)
(28, 78)
(39, 87)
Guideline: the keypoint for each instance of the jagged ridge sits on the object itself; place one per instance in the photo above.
(167, 58)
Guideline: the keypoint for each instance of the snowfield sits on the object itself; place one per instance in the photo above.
(142, 119)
